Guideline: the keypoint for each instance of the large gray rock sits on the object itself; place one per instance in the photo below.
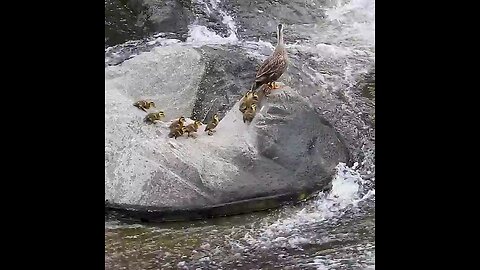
(288, 148)
(170, 76)
(228, 73)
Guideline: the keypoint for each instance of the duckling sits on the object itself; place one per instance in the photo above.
(177, 132)
(176, 128)
(249, 114)
(193, 127)
(177, 123)
(152, 117)
(212, 125)
(144, 105)
(248, 99)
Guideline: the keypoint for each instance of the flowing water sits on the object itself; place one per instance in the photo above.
(335, 53)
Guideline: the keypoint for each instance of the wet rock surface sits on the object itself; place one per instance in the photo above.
(289, 148)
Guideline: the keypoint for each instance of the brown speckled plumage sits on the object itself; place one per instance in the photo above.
(275, 65)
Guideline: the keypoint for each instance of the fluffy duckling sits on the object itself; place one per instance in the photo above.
(176, 128)
(155, 116)
(248, 99)
(193, 127)
(249, 113)
(144, 105)
(177, 123)
(177, 132)
(212, 125)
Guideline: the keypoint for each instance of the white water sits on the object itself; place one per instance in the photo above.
(199, 35)
(287, 231)
(357, 17)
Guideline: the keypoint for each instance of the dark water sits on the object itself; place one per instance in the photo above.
(332, 45)
(122, 23)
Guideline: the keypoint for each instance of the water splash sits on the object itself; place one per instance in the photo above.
(200, 35)
(347, 191)
(357, 17)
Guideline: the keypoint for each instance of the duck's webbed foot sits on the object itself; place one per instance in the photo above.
(267, 89)
(274, 86)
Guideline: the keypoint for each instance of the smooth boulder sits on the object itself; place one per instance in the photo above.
(288, 149)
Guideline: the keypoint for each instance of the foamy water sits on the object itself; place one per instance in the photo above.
(275, 236)
(199, 35)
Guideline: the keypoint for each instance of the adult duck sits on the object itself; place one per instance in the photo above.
(274, 66)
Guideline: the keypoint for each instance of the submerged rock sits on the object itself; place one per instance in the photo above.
(136, 19)
(287, 151)
(256, 19)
